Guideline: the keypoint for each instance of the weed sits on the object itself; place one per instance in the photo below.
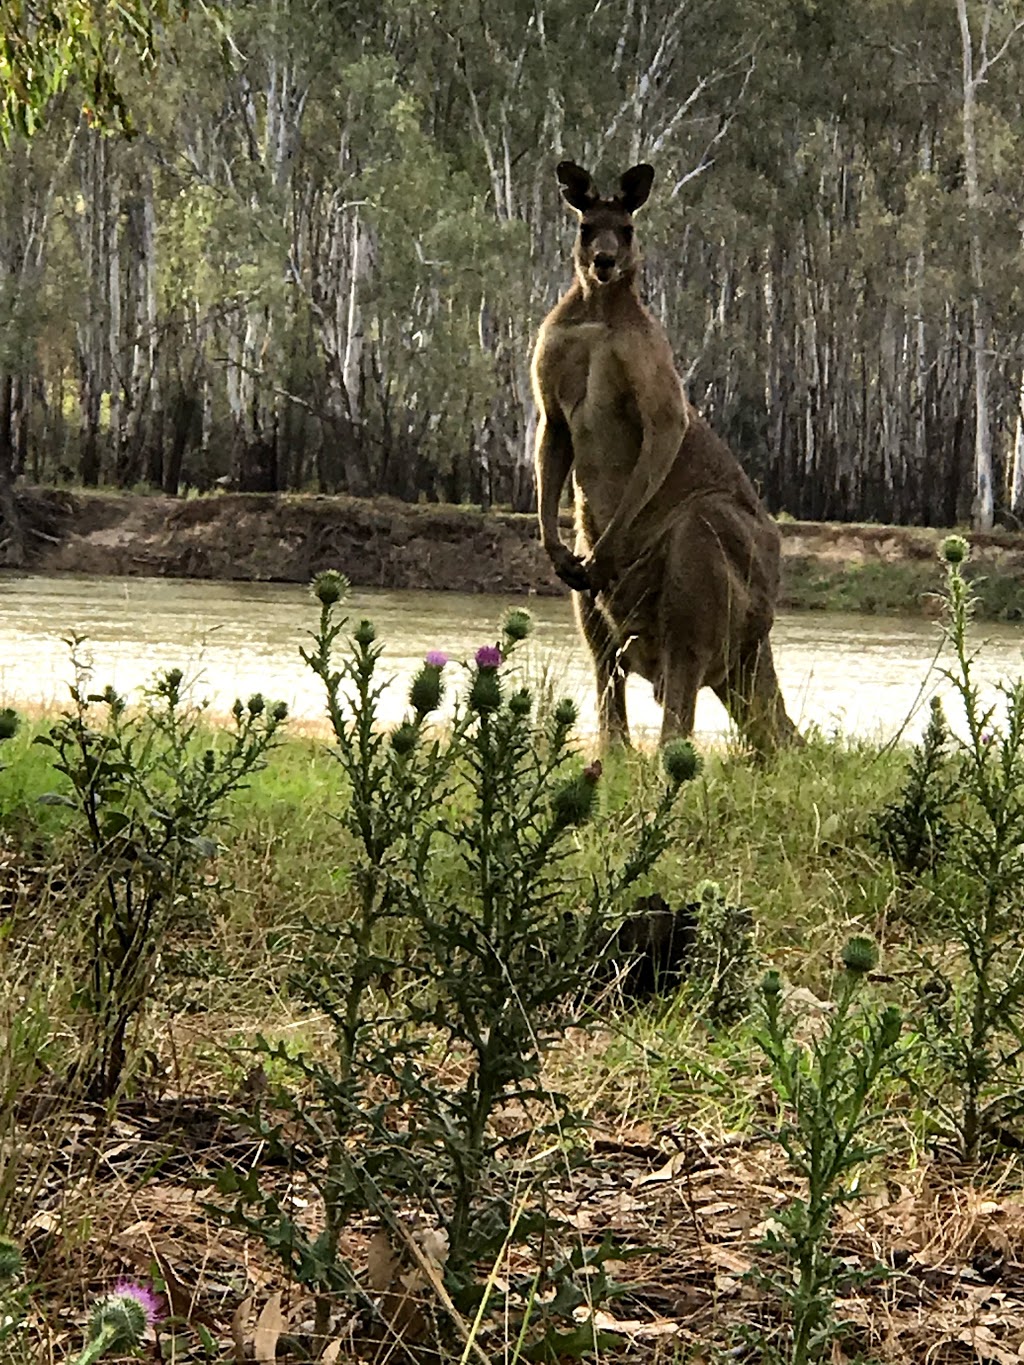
(461, 845)
(972, 1007)
(146, 789)
(823, 1087)
(915, 830)
(12, 1295)
(722, 956)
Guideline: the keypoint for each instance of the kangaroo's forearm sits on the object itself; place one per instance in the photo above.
(553, 462)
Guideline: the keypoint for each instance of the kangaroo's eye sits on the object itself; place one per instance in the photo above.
(627, 233)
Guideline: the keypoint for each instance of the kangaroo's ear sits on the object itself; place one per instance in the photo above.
(578, 189)
(634, 186)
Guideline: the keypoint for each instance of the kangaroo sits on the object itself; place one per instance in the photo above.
(676, 565)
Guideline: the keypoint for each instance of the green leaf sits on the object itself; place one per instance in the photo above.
(205, 847)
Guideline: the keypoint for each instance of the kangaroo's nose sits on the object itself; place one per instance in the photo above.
(604, 261)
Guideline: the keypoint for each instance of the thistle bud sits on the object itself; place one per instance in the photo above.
(681, 761)
(279, 712)
(119, 1320)
(954, 549)
(330, 587)
(365, 634)
(860, 955)
(520, 703)
(566, 713)
(518, 625)
(426, 690)
(256, 705)
(404, 739)
(485, 694)
(573, 802)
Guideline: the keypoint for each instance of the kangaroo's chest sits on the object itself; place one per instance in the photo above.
(597, 399)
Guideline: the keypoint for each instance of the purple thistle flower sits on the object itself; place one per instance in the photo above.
(488, 656)
(144, 1296)
(435, 658)
(987, 738)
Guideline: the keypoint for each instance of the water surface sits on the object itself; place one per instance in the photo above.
(860, 674)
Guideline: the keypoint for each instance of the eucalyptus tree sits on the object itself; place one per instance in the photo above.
(320, 261)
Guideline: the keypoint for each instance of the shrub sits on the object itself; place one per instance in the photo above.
(146, 787)
(458, 940)
(823, 1087)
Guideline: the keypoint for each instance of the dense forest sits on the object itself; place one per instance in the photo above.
(319, 261)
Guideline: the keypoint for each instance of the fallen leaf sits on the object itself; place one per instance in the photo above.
(433, 1243)
(986, 1346)
(240, 1327)
(673, 1166)
(728, 1260)
(269, 1326)
(604, 1322)
(381, 1262)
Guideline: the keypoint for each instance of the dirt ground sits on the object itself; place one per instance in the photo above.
(690, 1208)
(389, 544)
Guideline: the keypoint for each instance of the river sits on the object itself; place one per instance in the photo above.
(861, 675)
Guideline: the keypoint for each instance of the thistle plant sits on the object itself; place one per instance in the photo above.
(501, 953)
(397, 783)
(971, 1010)
(146, 786)
(118, 1322)
(722, 956)
(460, 844)
(915, 830)
(824, 1088)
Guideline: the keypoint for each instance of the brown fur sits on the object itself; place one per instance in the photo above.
(676, 567)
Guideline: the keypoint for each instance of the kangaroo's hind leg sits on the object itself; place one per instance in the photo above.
(753, 698)
(681, 676)
(608, 675)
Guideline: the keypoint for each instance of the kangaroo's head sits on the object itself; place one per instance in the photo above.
(604, 250)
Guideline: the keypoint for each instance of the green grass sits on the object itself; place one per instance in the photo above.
(892, 588)
(788, 840)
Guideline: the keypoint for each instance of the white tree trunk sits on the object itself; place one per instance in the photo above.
(352, 363)
(983, 509)
(1017, 460)
(116, 330)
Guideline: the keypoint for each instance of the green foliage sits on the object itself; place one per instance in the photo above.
(12, 1294)
(359, 231)
(972, 1008)
(890, 588)
(915, 830)
(47, 44)
(824, 1085)
(147, 788)
(457, 939)
(722, 957)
